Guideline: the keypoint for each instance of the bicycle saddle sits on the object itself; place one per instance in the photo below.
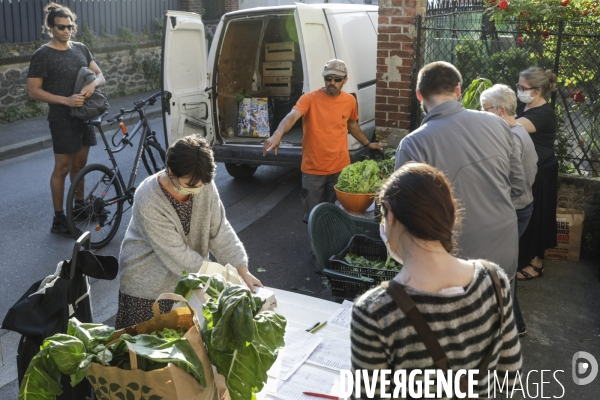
(97, 120)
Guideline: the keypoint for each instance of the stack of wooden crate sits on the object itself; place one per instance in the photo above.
(277, 68)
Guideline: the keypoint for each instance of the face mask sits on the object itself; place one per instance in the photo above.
(387, 244)
(185, 190)
(525, 97)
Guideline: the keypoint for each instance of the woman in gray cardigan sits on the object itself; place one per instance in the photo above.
(177, 219)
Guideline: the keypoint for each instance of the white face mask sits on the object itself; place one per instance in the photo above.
(525, 97)
(185, 190)
(387, 244)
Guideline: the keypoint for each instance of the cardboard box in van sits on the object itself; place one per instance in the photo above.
(303, 36)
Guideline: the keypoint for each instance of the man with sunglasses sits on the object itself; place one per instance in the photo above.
(51, 79)
(328, 115)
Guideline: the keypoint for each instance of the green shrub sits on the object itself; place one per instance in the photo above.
(87, 36)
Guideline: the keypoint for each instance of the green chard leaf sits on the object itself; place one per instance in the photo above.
(193, 281)
(242, 343)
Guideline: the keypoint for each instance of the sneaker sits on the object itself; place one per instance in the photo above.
(59, 226)
(521, 330)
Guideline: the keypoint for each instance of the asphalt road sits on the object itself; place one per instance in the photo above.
(265, 211)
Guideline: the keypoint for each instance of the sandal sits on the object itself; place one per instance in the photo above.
(527, 276)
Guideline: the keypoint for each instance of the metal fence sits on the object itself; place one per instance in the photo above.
(459, 32)
(21, 20)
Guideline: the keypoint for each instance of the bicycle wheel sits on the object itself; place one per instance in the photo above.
(92, 204)
(153, 156)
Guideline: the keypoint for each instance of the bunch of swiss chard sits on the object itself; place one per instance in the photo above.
(362, 177)
(72, 354)
(242, 342)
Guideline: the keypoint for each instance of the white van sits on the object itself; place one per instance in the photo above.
(201, 97)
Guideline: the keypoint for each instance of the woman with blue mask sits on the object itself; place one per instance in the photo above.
(457, 298)
(177, 219)
(539, 119)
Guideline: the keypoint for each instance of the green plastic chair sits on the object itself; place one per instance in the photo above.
(329, 230)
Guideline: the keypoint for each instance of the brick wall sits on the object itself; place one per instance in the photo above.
(231, 5)
(395, 50)
(192, 6)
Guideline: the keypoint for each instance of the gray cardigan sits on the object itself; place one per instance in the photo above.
(474, 150)
(155, 250)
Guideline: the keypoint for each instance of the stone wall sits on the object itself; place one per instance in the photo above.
(121, 66)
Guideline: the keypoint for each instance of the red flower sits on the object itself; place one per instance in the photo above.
(579, 97)
(564, 3)
(503, 5)
(528, 27)
(546, 34)
(520, 39)
(523, 13)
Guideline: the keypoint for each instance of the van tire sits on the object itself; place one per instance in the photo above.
(241, 171)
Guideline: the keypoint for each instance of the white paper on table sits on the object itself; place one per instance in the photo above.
(299, 344)
(342, 316)
(307, 378)
(332, 354)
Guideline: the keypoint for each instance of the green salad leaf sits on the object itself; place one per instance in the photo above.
(361, 177)
(154, 352)
(361, 261)
(242, 343)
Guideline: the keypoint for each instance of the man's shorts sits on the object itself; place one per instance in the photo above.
(69, 135)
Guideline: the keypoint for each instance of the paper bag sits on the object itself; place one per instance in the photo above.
(569, 224)
(170, 382)
(231, 275)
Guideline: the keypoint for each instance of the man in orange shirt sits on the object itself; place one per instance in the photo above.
(329, 113)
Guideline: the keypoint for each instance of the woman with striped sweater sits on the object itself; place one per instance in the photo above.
(456, 297)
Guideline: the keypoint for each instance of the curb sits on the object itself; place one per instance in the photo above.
(44, 142)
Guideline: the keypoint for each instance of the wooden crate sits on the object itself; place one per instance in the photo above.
(278, 85)
(277, 68)
(283, 51)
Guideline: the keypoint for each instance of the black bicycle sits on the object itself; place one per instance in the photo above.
(98, 193)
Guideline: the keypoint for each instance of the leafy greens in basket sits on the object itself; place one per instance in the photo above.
(360, 178)
(242, 342)
(84, 343)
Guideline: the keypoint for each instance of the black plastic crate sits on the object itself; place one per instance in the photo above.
(371, 249)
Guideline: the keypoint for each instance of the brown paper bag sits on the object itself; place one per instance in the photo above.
(569, 224)
(169, 383)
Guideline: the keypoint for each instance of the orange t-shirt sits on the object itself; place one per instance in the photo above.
(325, 126)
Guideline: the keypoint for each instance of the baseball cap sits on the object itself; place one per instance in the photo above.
(335, 67)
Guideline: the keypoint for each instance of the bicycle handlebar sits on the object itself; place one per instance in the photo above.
(138, 106)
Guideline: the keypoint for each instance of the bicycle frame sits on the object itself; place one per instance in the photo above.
(129, 189)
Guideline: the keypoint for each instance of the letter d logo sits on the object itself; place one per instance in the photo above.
(581, 367)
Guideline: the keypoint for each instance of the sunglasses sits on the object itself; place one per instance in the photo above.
(331, 78)
(62, 27)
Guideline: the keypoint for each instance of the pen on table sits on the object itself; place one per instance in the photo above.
(313, 327)
(316, 328)
(324, 396)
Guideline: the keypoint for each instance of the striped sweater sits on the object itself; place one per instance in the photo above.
(382, 337)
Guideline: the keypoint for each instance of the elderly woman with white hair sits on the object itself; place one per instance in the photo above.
(502, 101)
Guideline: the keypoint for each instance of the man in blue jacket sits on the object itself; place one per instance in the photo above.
(474, 150)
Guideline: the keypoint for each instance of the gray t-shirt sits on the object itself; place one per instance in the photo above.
(59, 70)
(525, 151)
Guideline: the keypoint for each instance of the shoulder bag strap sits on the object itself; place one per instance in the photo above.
(498, 287)
(408, 307)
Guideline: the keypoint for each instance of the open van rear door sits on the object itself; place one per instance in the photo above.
(186, 102)
(315, 42)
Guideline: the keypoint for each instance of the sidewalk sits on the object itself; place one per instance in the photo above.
(29, 135)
